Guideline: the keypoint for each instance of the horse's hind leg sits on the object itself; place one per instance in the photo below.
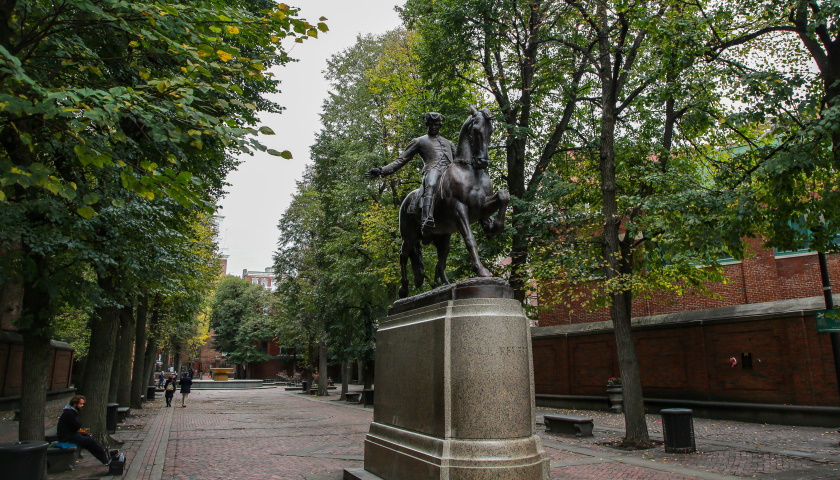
(405, 252)
(442, 244)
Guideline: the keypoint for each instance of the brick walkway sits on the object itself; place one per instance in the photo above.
(275, 434)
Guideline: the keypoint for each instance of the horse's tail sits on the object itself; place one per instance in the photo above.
(409, 207)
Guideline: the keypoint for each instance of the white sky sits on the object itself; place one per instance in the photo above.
(262, 187)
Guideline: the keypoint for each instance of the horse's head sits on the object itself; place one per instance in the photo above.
(474, 139)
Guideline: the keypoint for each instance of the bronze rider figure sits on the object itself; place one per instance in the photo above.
(437, 154)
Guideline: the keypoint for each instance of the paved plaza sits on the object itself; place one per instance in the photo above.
(277, 434)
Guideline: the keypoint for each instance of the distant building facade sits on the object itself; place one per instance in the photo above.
(265, 277)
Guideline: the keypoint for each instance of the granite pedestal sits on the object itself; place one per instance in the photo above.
(454, 389)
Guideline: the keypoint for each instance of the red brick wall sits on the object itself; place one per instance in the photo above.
(11, 367)
(761, 277)
(792, 363)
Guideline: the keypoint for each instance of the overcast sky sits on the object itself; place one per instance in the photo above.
(263, 186)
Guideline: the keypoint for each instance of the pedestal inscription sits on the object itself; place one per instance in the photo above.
(454, 394)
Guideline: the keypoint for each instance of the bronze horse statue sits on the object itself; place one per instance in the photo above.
(465, 196)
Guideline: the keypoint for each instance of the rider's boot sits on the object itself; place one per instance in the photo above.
(427, 219)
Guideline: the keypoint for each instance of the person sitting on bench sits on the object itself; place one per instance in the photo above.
(68, 428)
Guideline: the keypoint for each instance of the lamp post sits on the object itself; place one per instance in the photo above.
(829, 302)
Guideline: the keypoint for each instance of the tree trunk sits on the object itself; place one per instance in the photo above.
(103, 344)
(151, 347)
(116, 364)
(149, 363)
(139, 367)
(124, 351)
(310, 364)
(346, 371)
(368, 370)
(177, 358)
(322, 370)
(36, 363)
(615, 258)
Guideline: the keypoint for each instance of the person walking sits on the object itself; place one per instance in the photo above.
(169, 390)
(186, 385)
(69, 426)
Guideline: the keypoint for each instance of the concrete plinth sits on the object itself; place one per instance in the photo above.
(454, 389)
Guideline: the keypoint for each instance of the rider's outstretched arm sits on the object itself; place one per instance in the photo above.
(410, 150)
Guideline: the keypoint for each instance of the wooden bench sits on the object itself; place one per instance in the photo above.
(353, 397)
(580, 426)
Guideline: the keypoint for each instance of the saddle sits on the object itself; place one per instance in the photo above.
(417, 202)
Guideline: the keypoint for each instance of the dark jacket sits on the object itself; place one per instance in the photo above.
(186, 384)
(68, 423)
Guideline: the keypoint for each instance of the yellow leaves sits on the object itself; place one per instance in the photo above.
(224, 56)
(134, 43)
(232, 29)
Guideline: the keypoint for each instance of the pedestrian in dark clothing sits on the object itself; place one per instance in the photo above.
(161, 379)
(68, 430)
(186, 385)
(169, 390)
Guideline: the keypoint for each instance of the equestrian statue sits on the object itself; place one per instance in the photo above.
(455, 193)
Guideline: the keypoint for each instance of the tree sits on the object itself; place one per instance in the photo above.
(239, 318)
(156, 113)
(784, 129)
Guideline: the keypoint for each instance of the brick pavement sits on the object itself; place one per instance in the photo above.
(274, 434)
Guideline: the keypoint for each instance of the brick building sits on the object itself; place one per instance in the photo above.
(752, 353)
(264, 278)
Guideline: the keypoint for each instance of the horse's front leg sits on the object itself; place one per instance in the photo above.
(497, 204)
(462, 220)
(442, 244)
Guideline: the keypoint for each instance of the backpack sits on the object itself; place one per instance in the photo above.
(170, 387)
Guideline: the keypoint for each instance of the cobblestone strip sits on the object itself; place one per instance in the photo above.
(147, 464)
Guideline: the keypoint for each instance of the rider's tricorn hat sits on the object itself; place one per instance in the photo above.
(428, 117)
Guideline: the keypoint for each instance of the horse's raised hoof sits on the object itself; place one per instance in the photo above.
(403, 292)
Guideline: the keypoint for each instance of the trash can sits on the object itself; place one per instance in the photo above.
(24, 460)
(150, 393)
(111, 417)
(367, 393)
(305, 385)
(678, 430)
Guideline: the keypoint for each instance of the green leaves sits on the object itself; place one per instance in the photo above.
(284, 154)
(86, 212)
